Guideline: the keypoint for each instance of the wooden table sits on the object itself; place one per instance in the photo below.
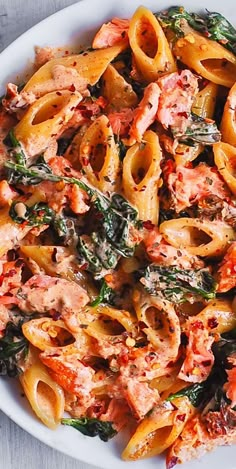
(19, 450)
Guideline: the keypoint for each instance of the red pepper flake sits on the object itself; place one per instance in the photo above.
(183, 114)
(85, 161)
(172, 462)
(181, 417)
(58, 93)
(55, 314)
(148, 225)
(198, 325)
(72, 87)
(212, 323)
(84, 266)
(206, 363)
(74, 64)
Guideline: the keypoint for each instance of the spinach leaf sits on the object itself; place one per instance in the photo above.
(173, 19)
(36, 215)
(13, 348)
(16, 149)
(62, 145)
(213, 25)
(198, 130)
(195, 393)
(106, 295)
(92, 427)
(178, 285)
(117, 215)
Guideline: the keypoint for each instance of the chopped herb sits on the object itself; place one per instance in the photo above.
(92, 427)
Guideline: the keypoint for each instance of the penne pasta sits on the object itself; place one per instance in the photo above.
(44, 120)
(141, 176)
(152, 53)
(99, 156)
(159, 430)
(45, 396)
(228, 126)
(118, 92)
(77, 71)
(198, 237)
(225, 156)
(208, 58)
(117, 235)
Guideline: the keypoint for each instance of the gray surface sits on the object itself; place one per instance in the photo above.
(18, 450)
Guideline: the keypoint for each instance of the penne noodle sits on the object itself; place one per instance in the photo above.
(44, 120)
(77, 71)
(45, 396)
(208, 58)
(199, 237)
(225, 157)
(152, 53)
(228, 125)
(99, 156)
(141, 176)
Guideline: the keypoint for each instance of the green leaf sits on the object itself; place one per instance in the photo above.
(198, 130)
(106, 295)
(13, 348)
(36, 215)
(92, 427)
(173, 19)
(17, 151)
(178, 285)
(195, 393)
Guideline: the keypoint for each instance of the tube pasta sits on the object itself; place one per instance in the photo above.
(205, 101)
(64, 266)
(99, 156)
(199, 237)
(44, 119)
(228, 124)
(208, 58)
(159, 430)
(141, 176)
(80, 70)
(45, 333)
(150, 47)
(103, 326)
(117, 91)
(225, 160)
(218, 316)
(163, 327)
(45, 396)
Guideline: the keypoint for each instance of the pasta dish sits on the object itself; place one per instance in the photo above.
(117, 234)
